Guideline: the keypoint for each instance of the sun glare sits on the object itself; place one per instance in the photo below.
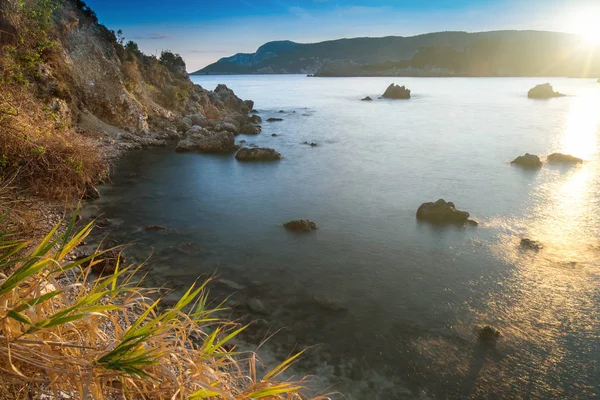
(587, 25)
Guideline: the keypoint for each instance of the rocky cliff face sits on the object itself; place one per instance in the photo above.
(66, 78)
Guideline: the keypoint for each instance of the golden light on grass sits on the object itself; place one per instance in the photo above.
(61, 334)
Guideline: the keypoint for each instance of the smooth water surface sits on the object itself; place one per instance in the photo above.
(392, 306)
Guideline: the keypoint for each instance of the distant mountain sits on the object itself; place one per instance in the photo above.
(499, 53)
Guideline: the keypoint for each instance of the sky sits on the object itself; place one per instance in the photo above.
(203, 31)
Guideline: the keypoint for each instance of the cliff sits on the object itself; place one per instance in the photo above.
(499, 53)
(73, 94)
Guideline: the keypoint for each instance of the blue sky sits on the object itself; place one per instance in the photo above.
(203, 31)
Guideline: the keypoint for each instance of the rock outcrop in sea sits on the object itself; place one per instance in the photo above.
(257, 154)
(368, 98)
(396, 92)
(543, 91)
(529, 244)
(559, 158)
(443, 213)
(527, 160)
(205, 141)
(300, 225)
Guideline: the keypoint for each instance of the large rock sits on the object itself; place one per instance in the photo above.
(257, 154)
(528, 161)
(250, 129)
(488, 335)
(231, 101)
(531, 244)
(396, 92)
(559, 158)
(300, 225)
(543, 91)
(368, 98)
(443, 213)
(203, 140)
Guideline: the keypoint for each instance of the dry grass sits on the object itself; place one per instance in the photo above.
(41, 154)
(108, 339)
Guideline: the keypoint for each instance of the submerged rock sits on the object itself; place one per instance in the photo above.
(559, 158)
(543, 91)
(205, 141)
(311, 144)
(274, 134)
(396, 92)
(488, 335)
(257, 154)
(155, 228)
(531, 244)
(368, 98)
(443, 213)
(257, 306)
(528, 161)
(272, 119)
(300, 225)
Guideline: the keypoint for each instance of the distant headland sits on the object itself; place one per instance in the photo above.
(451, 54)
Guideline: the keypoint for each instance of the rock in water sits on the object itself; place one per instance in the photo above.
(443, 213)
(559, 158)
(257, 154)
(200, 139)
(274, 119)
(396, 92)
(531, 244)
(255, 119)
(528, 161)
(489, 335)
(300, 225)
(368, 98)
(91, 193)
(543, 91)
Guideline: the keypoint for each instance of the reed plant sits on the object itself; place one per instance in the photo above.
(67, 335)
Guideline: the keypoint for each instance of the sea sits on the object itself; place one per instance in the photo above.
(385, 306)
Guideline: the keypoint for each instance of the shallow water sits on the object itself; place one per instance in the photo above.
(392, 305)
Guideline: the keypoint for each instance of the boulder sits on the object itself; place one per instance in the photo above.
(531, 244)
(274, 119)
(528, 161)
(488, 335)
(250, 129)
(443, 213)
(396, 92)
(300, 225)
(255, 119)
(257, 154)
(200, 139)
(559, 158)
(106, 263)
(311, 144)
(368, 98)
(543, 91)
(231, 101)
(227, 127)
(274, 134)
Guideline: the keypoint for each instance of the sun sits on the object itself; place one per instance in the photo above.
(587, 24)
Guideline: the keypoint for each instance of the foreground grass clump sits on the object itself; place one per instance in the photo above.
(108, 339)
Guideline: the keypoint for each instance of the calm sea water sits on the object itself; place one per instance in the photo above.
(390, 306)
